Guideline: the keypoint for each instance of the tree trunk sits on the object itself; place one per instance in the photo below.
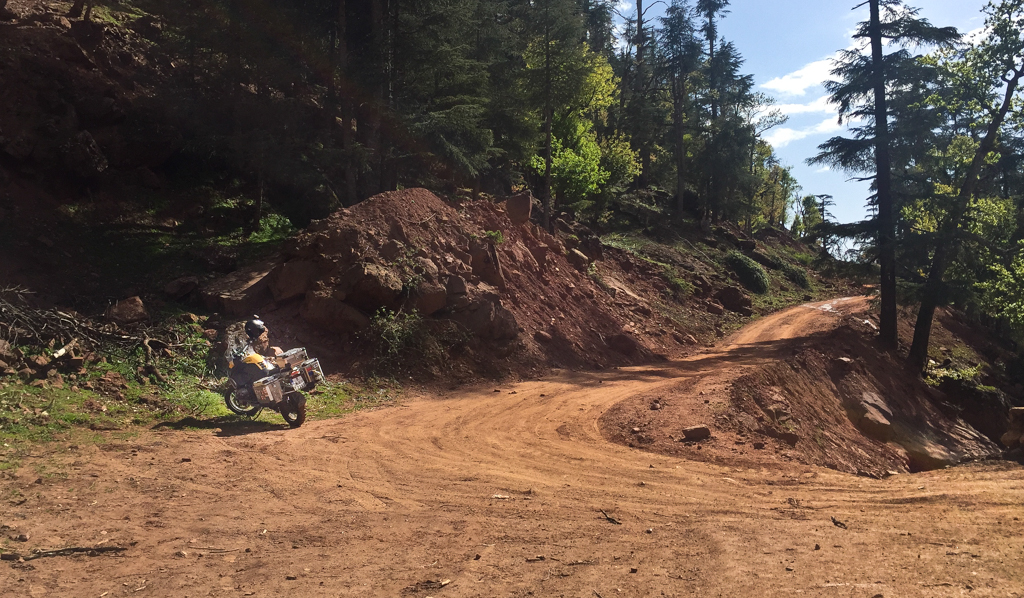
(883, 183)
(345, 107)
(546, 199)
(678, 99)
(947, 244)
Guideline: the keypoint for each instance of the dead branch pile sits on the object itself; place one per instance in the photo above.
(20, 323)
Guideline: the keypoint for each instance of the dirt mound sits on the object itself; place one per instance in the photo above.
(856, 409)
(513, 290)
(823, 396)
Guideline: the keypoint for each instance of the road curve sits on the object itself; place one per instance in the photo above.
(514, 492)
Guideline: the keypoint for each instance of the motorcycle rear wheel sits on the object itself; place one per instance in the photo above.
(245, 410)
(293, 411)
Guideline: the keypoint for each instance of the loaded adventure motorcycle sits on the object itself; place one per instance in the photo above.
(256, 381)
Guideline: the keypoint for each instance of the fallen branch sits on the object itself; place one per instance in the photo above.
(610, 518)
(39, 554)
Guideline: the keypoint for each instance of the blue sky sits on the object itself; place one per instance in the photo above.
(788, 46)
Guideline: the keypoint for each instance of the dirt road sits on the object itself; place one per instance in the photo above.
(511, 492)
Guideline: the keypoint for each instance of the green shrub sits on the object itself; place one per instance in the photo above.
(392, 334)
(796, 275)
(495, 236)
(751, 274)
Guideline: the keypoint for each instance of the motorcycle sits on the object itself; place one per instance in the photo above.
(256, 382)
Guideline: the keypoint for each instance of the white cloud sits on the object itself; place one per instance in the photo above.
(798, 82)
(819, 105)
(784, 136)
(823, 169)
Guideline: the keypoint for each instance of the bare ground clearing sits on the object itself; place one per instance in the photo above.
(504, 492)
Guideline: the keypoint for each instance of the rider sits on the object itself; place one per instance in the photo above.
(259, 337)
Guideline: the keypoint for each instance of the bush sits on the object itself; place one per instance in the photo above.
(392, 334)
(751, 274)
(796, 275)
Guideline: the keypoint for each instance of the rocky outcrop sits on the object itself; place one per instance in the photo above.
(336, 316)
(485, 263)
(291, 280)
(735, 300)
(518, 207)
(241, 293)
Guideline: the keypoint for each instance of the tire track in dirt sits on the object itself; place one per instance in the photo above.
(474, 487)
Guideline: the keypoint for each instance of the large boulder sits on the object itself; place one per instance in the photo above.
(241, 293)
(873, 417)
(292, 279)
(430, 298)
(518, 207)
(127, 311)
(625, 344)
(486, 318)
(372, 286)
(337, 316)
(578, 259)
(1012, 438)
(485, 264)
(181, 287)
(734, 299)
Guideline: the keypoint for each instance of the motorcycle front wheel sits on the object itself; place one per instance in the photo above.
(293, 410)
(234, 406)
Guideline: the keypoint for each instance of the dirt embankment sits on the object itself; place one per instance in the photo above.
(826, 397)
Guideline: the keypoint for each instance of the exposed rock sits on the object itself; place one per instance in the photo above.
(430, 298)
(427, 268)
(985, 408)
(485, 264)
(180, 287)
(336, 316)
(542, 337)
(714, 308)
(875, 425)
(457, 285)
(373, 286)
(925, 455)
(486, 318)
(747, 244)
(624, 343)
(518, 207)
(1014, 436)
(240, 293)
(697, 433)
(578, 259)
(127, 311)
(292, 279)
(733, 299)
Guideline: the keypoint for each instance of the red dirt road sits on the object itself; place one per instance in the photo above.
(484, 493)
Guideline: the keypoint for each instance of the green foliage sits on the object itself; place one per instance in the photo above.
(392, 334)
(751, 274)
(495, 236)
(796, 275)
(1003, 294)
